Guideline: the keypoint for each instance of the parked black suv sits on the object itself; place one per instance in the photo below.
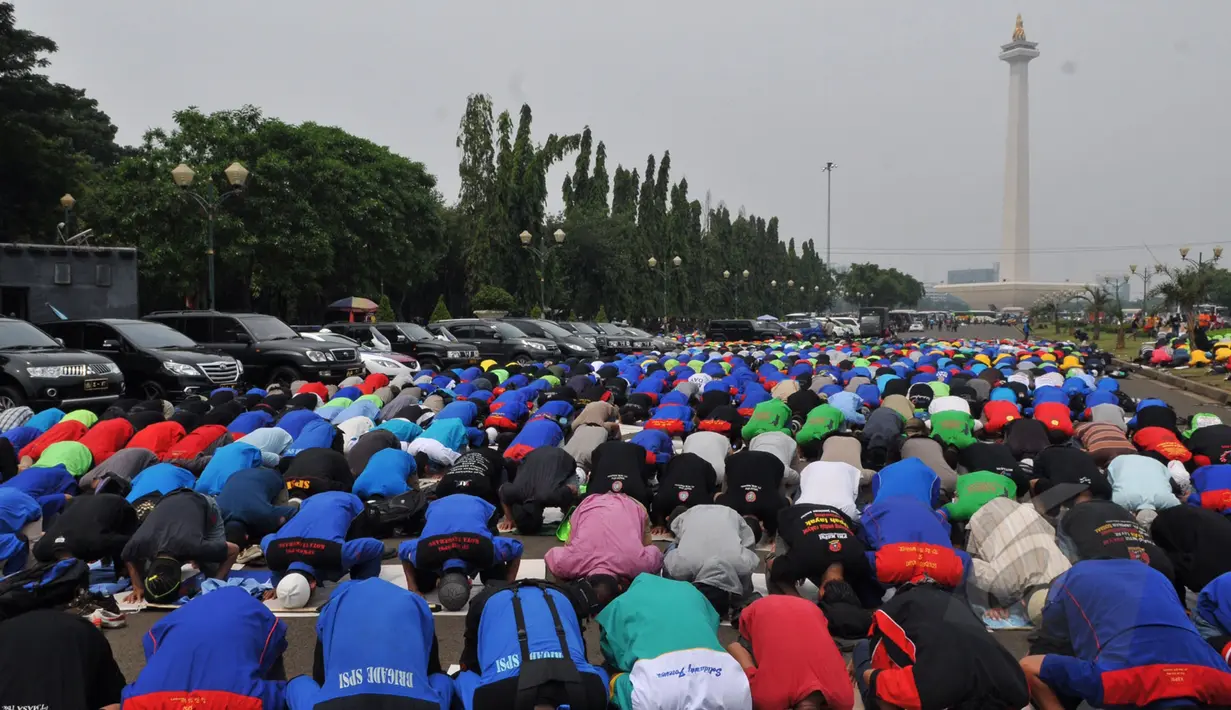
(743, 330)
(570, 345)
(37, 371)
(498, 341)
(269, 349)
(157, 362)
(617, 340)
(415, 341)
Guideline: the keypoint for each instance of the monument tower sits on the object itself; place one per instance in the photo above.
(1015, 264)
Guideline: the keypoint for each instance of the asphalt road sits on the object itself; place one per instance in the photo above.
(126, 643)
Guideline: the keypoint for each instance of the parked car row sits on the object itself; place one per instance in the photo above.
(175, 354)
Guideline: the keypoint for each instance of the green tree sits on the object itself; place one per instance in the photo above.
(53, 138)
(385, 313)
(441, 311)
(602, 315)
(322, 217)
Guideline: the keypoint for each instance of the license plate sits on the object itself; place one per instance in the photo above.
(354, 372)
(95, 385)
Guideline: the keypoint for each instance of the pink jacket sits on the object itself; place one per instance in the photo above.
(607, 532)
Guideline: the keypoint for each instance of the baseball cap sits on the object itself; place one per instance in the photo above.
(162, 580)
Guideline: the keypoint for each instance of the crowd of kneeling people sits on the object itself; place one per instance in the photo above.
(909, 494)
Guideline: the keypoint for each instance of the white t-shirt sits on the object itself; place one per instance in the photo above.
(831, 483)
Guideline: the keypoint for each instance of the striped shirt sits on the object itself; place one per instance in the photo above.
(1012, 549)
(1103, 441)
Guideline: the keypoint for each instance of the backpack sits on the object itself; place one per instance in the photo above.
(537, 672)
(407, 512)
(43, 586)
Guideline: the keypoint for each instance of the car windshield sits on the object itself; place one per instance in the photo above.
(19, 335)
(154, 335)
(439, 332)
(553, 330)
(509, 331)
(639, 332)
(268, 328)
(611, 329)
(583, 328)
(414, 332)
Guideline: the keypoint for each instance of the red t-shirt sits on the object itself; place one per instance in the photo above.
(794, 653)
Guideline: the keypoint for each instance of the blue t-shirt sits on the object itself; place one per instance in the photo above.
(160, 478)
(385, 475)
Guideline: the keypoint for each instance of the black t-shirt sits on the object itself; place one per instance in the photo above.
(817, 536)
(1103, 530)
(619, 467)
(1212, 442)
(320, 464)
(692, 477)
(754, 472)
(1026, 438)
(476, 473)
(1156, 416)
(367, 446)
(710, 401)
(90, 528)
(1066, 464)
(541, 473)
(178, 527)
(803, 401)
(997, 458)
(1197, 540)
(53, 660)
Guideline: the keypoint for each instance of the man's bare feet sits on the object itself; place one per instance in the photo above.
(659, 531)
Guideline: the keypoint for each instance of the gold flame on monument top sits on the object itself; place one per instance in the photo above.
(1019, 31)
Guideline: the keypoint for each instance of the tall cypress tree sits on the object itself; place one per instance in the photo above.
(599, 186)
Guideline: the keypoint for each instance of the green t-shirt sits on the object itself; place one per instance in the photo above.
(953, 428)
(976, 488)
(73, 454)
(821, 422)
(655, 616)
(84, 416)
(770, 415)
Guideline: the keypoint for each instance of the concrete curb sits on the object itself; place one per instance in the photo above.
(1216, 394)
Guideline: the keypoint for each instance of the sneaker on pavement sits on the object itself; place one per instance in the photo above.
(101, 618)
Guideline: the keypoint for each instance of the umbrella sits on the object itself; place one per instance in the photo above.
(766, 317)
(355, 304)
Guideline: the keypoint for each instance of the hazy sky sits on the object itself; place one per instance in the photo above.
(1129, 103)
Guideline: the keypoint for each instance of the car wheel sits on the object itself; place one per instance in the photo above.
(11, 397)
(523, 359)
(429, 363)
(284, 375)
(153, 390)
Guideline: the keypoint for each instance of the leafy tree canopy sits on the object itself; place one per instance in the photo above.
(53, 138)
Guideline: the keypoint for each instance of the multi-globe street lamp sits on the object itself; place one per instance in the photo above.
(666, 276)
(540, 253)
(210, 202)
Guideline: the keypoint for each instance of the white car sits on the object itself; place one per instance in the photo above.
(387, 363)
(916, 328)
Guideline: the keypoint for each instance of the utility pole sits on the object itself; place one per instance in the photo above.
(828, 170)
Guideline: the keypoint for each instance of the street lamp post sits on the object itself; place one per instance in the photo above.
(1145, 286)
(740, 292)
(816, 297)
(653, 264)
(210, 203)
(828, 170)
(541, 252)
(67, 203)
(1202, 283)
(726, 277)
